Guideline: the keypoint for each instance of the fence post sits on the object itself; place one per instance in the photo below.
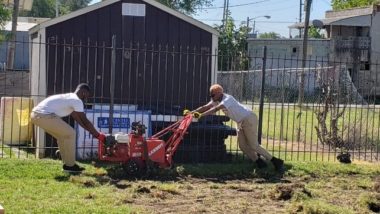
(261, 107)
(112, 83)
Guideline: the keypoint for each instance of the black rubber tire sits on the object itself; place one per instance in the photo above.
(132, 168)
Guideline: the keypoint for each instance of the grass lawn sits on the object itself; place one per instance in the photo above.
(280, 125)
(283, 123)
(39, 186)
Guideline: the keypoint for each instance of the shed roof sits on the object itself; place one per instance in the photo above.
(363, 21)
(109, 2)
(349, 17)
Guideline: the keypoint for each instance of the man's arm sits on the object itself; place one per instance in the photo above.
(212, 110)
(81, 118)
(204, 108)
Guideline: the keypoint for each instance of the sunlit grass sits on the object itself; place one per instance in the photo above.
(39, 186)
(290, 131)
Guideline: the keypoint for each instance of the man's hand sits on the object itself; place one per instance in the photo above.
(186, 111)
(101, 137)
(197, 115)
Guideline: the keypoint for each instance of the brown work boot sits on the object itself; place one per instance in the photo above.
(278, 164)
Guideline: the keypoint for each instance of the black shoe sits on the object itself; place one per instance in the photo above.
(278, 164)
(260, 163)
(73, 169)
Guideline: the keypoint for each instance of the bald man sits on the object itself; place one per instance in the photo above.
(247, 125)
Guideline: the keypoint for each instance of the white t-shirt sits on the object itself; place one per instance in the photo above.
(61, 104)
(233, 109)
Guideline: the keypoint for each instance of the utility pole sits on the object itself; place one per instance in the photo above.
(302, 77)
(224, 13)
(254, 28)
(227, 9)
(304, 52)
(12, 42)
(300, 17)
(56, 8)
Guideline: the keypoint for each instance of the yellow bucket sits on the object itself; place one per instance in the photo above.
(15, 125)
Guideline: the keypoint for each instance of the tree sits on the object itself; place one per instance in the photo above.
(41, 8)
(5, 15)
(315, 33)
(232, 46)
(46, 8)
(332, 105)
(186, 6)
(346, 4)
(270, 35)
(74, 5)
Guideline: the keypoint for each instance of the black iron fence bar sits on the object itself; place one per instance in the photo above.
(262, 95)
(112, 83)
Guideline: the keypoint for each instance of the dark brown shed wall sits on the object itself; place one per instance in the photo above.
(155, 63)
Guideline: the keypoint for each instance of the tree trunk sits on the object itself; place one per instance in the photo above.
(12, 42)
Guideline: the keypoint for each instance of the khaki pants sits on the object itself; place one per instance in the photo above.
(247, 137)
(62, 131)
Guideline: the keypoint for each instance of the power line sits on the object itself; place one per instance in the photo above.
(217, 20)
(236, 5)
(272, 10)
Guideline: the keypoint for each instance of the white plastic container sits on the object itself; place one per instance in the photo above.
(122, 137)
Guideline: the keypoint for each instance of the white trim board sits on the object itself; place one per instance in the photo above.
(109, 2)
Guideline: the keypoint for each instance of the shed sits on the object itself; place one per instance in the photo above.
(159, 52)
(164, 62)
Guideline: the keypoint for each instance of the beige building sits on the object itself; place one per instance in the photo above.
(352, 40)
(355, 37)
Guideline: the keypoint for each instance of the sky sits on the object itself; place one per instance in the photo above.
(282, 13)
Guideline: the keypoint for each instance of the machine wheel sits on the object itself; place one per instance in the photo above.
(132, 168)
(152, 169)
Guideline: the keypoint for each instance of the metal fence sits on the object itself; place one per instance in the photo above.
(336, 111)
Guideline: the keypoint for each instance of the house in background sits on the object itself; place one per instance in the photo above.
(354, 36)
(22, 42)
(353, 40)
(287, 53)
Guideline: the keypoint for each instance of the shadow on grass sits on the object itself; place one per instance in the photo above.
(213, 172)
(62, 178)
(236, 168)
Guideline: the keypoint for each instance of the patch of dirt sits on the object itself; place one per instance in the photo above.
(142, 189)
(120, 185)
(376, 186)
(285, 191)
(197, 195)
(90, 196)
(374, 207)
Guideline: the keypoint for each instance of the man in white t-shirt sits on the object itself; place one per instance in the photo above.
(247, 125)
(47, 115)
